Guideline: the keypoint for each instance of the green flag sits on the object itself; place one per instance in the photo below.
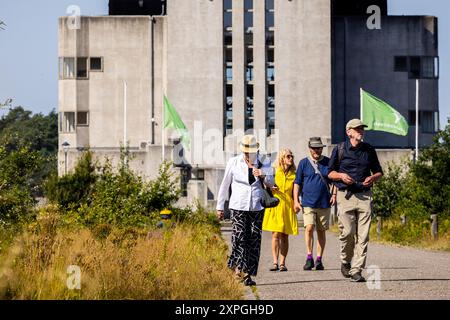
(380, 116)
(172, 120)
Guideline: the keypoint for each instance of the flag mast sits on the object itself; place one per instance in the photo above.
(163, 136)
(125, 107)
(417, 120)
(361, 104)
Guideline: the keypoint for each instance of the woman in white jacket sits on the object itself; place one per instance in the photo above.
(245, 174)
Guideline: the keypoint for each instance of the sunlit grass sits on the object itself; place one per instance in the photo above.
(184, 262)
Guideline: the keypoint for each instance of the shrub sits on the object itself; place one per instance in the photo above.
(72, 190)
(17, 168)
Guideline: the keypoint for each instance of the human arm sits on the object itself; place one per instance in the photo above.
(375, 168)
(224, 189)
(333, 195)
(333, 168)
(296, 193)
(298, 187)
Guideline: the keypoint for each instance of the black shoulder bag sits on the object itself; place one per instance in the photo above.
(267, 200)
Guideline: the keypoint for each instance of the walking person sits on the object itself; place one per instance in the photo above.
(354, 167)
(312, 184)
(245, 174)
(282, 220)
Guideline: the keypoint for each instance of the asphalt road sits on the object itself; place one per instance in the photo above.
(395, 273)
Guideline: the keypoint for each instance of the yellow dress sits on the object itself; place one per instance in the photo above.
(282, 218)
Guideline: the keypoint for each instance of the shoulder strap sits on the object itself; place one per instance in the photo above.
(317, 171)
(340, 152)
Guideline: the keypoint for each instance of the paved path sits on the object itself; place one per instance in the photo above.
(405, 273)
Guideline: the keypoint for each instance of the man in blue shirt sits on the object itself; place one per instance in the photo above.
(312, 184)
(354, 167)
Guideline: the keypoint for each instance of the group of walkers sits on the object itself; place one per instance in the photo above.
(316, 184)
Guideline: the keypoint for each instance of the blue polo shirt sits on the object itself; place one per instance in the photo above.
(314, 192)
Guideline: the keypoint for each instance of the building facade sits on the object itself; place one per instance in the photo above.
(229, 67)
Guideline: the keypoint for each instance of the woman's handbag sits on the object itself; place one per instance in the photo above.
(268, 200)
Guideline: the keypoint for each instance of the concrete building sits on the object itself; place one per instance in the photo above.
(272, 67)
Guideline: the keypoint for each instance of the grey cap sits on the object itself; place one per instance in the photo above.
(316, 142)
(354, 123)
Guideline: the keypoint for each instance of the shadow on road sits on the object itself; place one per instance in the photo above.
(344, 280)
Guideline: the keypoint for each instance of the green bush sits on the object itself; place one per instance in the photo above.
(17, 168)
(387, 192)
(120, 197)
(72, 190)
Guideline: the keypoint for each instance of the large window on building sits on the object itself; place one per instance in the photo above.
(428, 120)
(249, 116)
(270, 110)
(96, 64)
(228, 65)
(248, 22)
(66, 68)
(229, 107)
(82, 118)
(418, 67)
(270, 65)
(249, 63)
(82, 68)
(67, 122)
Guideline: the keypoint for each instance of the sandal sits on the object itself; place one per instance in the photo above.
(283, 268)
(274, 268)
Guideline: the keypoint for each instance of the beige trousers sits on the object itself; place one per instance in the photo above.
(354, 220)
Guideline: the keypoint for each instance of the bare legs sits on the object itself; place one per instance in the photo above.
(309, 240)
(280, 247)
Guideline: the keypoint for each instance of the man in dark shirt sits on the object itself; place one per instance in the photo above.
(354, 167)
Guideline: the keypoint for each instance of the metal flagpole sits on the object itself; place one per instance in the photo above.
(125, 118)
(361, 104)
(417, 120)
(163, 136)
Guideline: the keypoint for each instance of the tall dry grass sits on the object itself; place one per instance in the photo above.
(186, 262)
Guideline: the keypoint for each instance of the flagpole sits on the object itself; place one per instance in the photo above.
(417, 120)
(163, 136)
(125, 117)
(361, 104)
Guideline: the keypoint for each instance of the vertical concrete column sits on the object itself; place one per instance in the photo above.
(259, 66)
(238, 65)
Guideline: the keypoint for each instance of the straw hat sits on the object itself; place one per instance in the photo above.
(249, 144)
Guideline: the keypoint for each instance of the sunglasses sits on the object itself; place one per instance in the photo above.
(318, 148)
(289, 156)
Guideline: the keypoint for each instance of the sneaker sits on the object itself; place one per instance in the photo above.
(309, 264)
(248, 281)
(345, 269)
(357, 277)
(319, 265)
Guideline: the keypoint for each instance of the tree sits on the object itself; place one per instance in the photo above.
(39, 133)
(432, 172)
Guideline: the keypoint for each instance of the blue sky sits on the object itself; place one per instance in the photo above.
(29, 48)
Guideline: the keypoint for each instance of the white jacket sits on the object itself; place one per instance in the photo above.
(244, 196)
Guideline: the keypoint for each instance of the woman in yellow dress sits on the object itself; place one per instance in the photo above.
(282, 220)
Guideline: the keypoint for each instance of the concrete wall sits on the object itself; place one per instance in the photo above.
(303, 72)
(195, 70)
